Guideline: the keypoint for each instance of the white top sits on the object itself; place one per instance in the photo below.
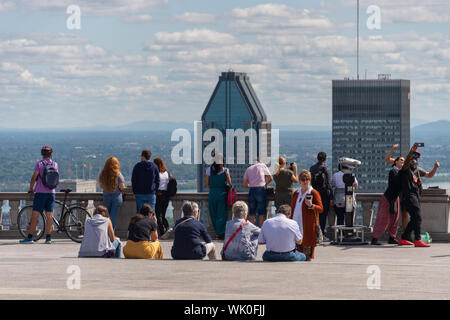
(298, 210)
(338, 182)
(163, 181)
(280, 233)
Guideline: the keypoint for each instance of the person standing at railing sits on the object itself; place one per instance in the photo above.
(216, 179)
(145, 181)
(162, 199)
(389, 206)
(423, 173)
(284, 182)
(257, 177)
(411, 189)
(46, 178)
(112, 182)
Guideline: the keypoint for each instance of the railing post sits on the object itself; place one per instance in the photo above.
(177, 205)
(13, 212)
(367, 208)
(1, 215)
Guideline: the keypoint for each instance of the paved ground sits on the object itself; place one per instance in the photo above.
(39, 271)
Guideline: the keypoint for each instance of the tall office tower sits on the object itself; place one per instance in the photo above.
(369, 117)
(234, 105)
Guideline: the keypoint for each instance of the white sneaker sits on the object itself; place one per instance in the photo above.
(325, 239)
(167, 234)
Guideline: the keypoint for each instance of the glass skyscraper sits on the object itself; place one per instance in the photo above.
(234, 105)
(369, 117)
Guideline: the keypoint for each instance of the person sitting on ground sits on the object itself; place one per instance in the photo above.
(243, 235)
(143, 236)
(281, 235)
(99, 239)
(189, 232)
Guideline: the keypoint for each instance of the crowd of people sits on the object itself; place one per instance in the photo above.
(292, 235)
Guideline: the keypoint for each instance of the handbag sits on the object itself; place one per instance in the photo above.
(231, 238)
(231, 195)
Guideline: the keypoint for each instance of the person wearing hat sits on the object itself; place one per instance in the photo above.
(44, 198)
(411, 190)
(338, 186)
(419, 171)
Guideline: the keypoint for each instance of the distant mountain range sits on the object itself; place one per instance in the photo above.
(438, 129)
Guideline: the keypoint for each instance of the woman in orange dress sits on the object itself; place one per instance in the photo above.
(306, 212)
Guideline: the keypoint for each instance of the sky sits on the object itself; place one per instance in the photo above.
(159, 60)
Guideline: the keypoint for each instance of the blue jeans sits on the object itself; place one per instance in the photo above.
(145, 198)
(257, 201)
(113, 202)
(290, 256)
(118, 247)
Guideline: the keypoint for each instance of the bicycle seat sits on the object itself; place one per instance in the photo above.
(66, 190)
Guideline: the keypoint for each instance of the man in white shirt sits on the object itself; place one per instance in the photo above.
(338, 186)
(281, 235)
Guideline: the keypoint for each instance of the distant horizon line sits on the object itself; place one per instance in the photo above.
(127, 127)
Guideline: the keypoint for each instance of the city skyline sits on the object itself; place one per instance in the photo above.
(159, 59)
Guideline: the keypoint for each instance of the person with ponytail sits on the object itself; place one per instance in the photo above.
(112, 182)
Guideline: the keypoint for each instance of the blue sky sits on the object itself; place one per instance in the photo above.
(159, 60)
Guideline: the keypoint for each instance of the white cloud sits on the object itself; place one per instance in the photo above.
(196, 17)
(142, 18)
(98, 7)
(275, 17)
(195, 36)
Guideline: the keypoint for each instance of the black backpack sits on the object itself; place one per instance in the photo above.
(172, 186)
(319, 180)
(50, 178)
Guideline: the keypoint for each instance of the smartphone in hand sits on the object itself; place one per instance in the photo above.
(420, 144)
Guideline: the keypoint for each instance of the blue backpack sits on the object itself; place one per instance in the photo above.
(50, 178)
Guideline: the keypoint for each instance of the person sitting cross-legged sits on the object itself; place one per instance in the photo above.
(241, 236)
(281, 235)
(99, 239)
(189, 233)
(143, 236)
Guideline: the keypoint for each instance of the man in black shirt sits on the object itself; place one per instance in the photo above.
(411, 189)
(321, 181)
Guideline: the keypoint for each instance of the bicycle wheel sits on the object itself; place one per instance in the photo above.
(24, 220)
(74, 220)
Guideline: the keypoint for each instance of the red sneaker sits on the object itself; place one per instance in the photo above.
(420, 243)
(402, 242)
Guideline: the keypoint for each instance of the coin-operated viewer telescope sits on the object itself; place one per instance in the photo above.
(347, 165)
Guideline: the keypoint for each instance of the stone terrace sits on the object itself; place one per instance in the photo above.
(39, 271)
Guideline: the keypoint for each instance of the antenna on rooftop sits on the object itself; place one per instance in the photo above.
(357, 40)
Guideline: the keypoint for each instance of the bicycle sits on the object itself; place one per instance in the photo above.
(71, 220)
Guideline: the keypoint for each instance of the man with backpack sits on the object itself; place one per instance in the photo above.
(46, 178)
(321, 181)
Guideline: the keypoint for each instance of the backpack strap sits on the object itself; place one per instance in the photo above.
(231, 238)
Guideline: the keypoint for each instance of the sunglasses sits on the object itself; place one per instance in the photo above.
(304, 180)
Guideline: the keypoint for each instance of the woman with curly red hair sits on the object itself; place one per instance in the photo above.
(113, 184)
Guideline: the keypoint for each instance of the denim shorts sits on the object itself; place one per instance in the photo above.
(257, 201)
(44, 201)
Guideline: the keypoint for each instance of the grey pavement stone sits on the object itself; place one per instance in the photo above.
(39, 271)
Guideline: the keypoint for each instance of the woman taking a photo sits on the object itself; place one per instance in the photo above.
(217, 177)
(284, 181)
(306, 206)
(162, 200)
(113, 184)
